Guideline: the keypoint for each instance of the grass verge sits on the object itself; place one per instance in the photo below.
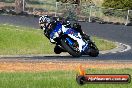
(22, 40)
(56, 79)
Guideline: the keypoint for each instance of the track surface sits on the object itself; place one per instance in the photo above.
(119, 33)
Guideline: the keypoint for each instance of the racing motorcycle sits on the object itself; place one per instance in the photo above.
(69, 40)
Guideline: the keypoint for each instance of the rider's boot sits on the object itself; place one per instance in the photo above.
(58, 49)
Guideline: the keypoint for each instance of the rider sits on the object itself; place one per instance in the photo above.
(48, 25)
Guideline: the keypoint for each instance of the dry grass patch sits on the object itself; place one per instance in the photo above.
(49, 66)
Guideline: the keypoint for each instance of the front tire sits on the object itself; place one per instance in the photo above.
(69, 49)
(94, 52)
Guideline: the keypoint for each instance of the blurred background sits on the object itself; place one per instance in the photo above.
(78, 10)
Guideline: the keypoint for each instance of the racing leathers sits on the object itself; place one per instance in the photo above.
(48, 29)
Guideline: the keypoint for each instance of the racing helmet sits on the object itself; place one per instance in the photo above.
(44, 21)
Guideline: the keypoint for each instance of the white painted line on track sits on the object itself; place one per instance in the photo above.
(119, 49)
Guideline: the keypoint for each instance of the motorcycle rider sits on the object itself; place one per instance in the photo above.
(48, 24)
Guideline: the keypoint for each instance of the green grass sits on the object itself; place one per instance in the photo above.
(103, 44)
(22, 40)
(56, 79)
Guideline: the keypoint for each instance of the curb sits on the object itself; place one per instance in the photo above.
(119, 49)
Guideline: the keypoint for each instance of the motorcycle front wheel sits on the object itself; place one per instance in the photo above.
(69, 49)
(94, 52)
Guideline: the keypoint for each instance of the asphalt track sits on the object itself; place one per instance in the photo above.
(116, 33)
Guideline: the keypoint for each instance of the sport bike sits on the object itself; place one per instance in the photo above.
(69, 40)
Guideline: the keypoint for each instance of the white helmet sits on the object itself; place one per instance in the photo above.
(44, 19)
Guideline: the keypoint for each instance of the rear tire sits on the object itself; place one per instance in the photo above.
(69, 49)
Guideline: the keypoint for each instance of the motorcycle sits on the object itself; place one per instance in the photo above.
(69, 40)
